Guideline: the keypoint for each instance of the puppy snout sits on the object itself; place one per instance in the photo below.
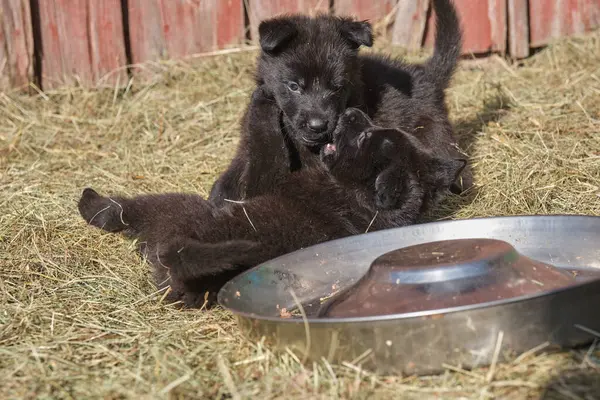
(317, 125)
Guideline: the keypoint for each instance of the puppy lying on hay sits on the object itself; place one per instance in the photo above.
(311, 69)
(195, 247)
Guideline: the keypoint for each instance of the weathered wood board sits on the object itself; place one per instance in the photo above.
(107, 42)
(16, 44)
(371, 10)
(84, 41)
(178, 28)
(484, 26)
(553, 19)
(518, 28)
(81, 41)
(409, 24)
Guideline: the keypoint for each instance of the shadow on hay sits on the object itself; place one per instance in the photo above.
(493, 109)
(466, 132)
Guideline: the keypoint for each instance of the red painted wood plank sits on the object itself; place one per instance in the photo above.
(591, 14)
(409, 25)
(230, 26)
(82, 41)
(260, 10)
(498, 25)
(188, 27)
(544, 21)
(372, 10)
(178, 28)
(16, 44)
(518, 25)
(145, 30)
(65, 46)
(107, 42)
(552, 19)
(483, 23)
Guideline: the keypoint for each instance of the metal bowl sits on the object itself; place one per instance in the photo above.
(445, 274)
(280, 299)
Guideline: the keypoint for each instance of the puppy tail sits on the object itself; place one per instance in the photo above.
(448, 43)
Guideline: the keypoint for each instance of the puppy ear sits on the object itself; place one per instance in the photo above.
(358, 33)
(275, 33)
(459, 165)
(445, 172)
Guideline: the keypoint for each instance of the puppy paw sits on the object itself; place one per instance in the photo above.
(184, 295)
(199, 299)
(363, 138)
(101, 212)
(388, 191)
(261, 96)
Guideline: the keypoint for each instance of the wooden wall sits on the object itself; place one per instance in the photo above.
(92, 42)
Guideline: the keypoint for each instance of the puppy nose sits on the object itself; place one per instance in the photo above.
(317, 125)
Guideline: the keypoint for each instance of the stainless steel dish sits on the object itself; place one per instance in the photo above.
(279, 300)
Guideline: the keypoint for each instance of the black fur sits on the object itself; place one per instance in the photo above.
(311, 69)
(195, 247)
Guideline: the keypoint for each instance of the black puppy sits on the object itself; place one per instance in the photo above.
(195, 247)
(311, 69)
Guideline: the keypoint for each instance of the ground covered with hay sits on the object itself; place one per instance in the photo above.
(79, 317)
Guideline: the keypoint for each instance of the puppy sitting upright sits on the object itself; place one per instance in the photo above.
(311, 69)
(307, 67)
(195, 247)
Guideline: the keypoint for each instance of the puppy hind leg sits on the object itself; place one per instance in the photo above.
(191, 259)
(197, 270)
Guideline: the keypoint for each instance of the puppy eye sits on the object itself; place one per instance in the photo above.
(339, 87)
(293, 86)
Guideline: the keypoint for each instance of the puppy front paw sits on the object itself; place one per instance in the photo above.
(261, 95)
(388, 191)
(363, 139)
(328, 155)
(101, 212)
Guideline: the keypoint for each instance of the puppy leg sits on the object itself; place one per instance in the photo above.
(198, 270)
(191, 259)
(157, 215)
(263, 155)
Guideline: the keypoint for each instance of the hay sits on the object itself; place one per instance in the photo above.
(79, 314)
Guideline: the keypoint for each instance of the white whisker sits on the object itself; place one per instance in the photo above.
(121, 213)
(245, 212)
(373, 220)
(159, 261)
(95, 215)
